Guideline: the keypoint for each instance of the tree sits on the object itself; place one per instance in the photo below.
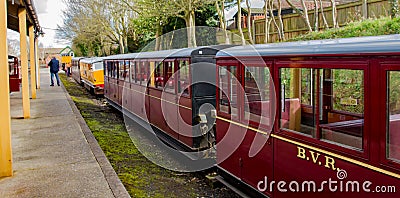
(80, 26)
(220, 6)
(271, 14)
(394, 11)
(239, 22)
(316, 16)
(162, 11)
(364, 9)
(249, 22)
(151, 16)
(115, 18)
(282, 32)
(334, 14)
(267, 20)
(323, 15)
(95, 25)
(185, 9)
(303, 14)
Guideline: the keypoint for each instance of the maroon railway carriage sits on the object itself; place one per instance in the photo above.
(312, 118)
(167, 89)
(15, 73)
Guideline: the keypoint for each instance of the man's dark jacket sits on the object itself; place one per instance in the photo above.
(54, 65)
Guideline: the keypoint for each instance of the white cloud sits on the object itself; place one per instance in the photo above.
(50, 15)
(41, 6)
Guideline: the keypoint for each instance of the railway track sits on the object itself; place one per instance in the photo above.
(140, 176)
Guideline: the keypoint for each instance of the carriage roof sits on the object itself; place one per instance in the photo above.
(91, 60)
(359, 45)
(173, 53)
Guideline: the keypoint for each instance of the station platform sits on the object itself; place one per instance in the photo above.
(54, 152)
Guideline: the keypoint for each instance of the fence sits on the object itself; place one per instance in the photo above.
(294, 25)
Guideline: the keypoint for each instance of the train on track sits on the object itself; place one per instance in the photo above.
(14, 69)
(297, 119)
(171, 84)
(89, 73)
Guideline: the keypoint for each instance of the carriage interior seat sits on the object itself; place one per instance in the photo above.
(394, 137)
(291, 114)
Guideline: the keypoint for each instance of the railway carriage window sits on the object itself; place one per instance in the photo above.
(114, 69)
(137, 73)
(159, 75)
(342, 112)
(152, 67)
(184, 77)
(348, 90)
(170, 77)
(107, 68)
(293, 116)
(257, 89)
(126, 71)
(393, 116)
(223, 85)
(133, 71)
(121, 70)
(327, 104)
(143, 73)
(306, 86)
(228, 99)
(98, 66)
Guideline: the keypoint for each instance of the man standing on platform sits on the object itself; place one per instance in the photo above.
(54, 67)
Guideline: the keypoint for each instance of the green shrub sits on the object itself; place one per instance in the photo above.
(369, 27)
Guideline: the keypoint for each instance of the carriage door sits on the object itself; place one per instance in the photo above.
(229, 134)
(258, 115)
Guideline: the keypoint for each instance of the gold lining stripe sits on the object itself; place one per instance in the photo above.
(162, 99)
(242, 125)
(318, 150)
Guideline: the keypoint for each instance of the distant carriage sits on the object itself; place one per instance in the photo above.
(144, 83)
(15, 73)
(92, 74)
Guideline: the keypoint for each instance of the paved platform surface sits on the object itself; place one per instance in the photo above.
(54, 152)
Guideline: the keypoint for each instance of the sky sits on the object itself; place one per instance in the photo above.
(50, 15)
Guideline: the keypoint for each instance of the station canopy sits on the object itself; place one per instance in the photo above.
(12, 15)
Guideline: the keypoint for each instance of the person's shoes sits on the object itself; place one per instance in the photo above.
(58, 84)
(51, 85)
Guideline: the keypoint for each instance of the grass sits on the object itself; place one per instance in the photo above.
(369, 27)
(140, 177)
